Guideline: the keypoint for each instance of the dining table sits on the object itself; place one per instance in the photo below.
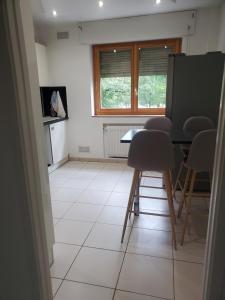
(177, 137)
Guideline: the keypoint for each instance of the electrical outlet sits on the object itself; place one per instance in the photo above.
(84, 149)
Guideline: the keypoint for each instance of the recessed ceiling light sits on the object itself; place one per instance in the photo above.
(100, 3)
(54, 12)
(158, 1)
(114, 50)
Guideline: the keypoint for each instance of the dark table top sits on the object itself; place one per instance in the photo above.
(177, 137)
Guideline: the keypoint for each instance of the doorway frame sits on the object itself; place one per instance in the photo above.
(18, 24)
(214, 266)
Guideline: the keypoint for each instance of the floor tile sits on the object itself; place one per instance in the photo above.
(113, 215)
(188, 280)
(107, 236)
(115, 166)
(54, 192)
(94, 166)
(72, 232)
(191, 251)
(150, 242)
(152, 222)
(63, 173)
(57, 182)
(153, 174)
(55, 221)
(67, 194)
(154, 205)
(84, 212)
(94, 197)
(127, 176)
(153, 192)
(73, 290)
(118, 199)
(147, 275)
(96, 266)
(103, 185)
(60, 208)
(77, 183)
(63, 257)
(154, 182)
(55, 285)
(75, 165)
(109, 174)
(147, 271)
(120, 295)
(122, 186)
(85, 174)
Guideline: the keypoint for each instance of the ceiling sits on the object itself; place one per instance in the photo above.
(88, 10)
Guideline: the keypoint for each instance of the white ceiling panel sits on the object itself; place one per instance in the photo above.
(87, 10)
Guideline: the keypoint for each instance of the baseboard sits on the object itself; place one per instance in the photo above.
(102, 160)
(52, 168)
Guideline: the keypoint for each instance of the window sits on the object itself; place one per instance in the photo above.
(131, 78)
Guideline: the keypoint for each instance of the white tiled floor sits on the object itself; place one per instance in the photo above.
(89, 204)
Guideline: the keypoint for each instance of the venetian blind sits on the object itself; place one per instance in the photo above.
(153, 61)
(115, 64)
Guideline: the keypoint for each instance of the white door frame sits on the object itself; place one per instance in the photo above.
(18, 24)
(214, 275)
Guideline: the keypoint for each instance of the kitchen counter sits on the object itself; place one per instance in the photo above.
(51, 120)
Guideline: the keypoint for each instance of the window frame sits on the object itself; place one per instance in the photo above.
(174, 43)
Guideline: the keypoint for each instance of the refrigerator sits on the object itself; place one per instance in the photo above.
(194, 87)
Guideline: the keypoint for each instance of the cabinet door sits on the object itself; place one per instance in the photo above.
(59, 141)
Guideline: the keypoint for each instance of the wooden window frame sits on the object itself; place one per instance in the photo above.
(174, 43)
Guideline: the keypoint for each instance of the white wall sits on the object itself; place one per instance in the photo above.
(42, 62)
(207, 28)
(138, 28)
(221, 42)
(70, 64)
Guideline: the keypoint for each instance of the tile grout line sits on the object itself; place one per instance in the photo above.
(64, 278)
(94, 223)
(128, 240)
(138, 254)
(173, 270)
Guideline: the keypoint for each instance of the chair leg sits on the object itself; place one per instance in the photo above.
(171, 207)
(188, 207)
(178, 178)
(137, 196)
(182, 200)
(130, 201)
(135, 200)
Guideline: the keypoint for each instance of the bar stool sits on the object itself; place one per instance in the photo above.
(192, 126)
(151, 150)
(159, 123)
(200, 159)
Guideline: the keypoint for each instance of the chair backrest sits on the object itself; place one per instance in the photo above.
(202, 151)
(151, 150)
(194, 125)
(159, 123)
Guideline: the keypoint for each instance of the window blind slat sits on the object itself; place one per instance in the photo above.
(153, 61)
(115, 64)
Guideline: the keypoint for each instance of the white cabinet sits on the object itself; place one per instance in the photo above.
(58, 141)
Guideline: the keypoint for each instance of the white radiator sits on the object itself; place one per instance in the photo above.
(112, 135)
